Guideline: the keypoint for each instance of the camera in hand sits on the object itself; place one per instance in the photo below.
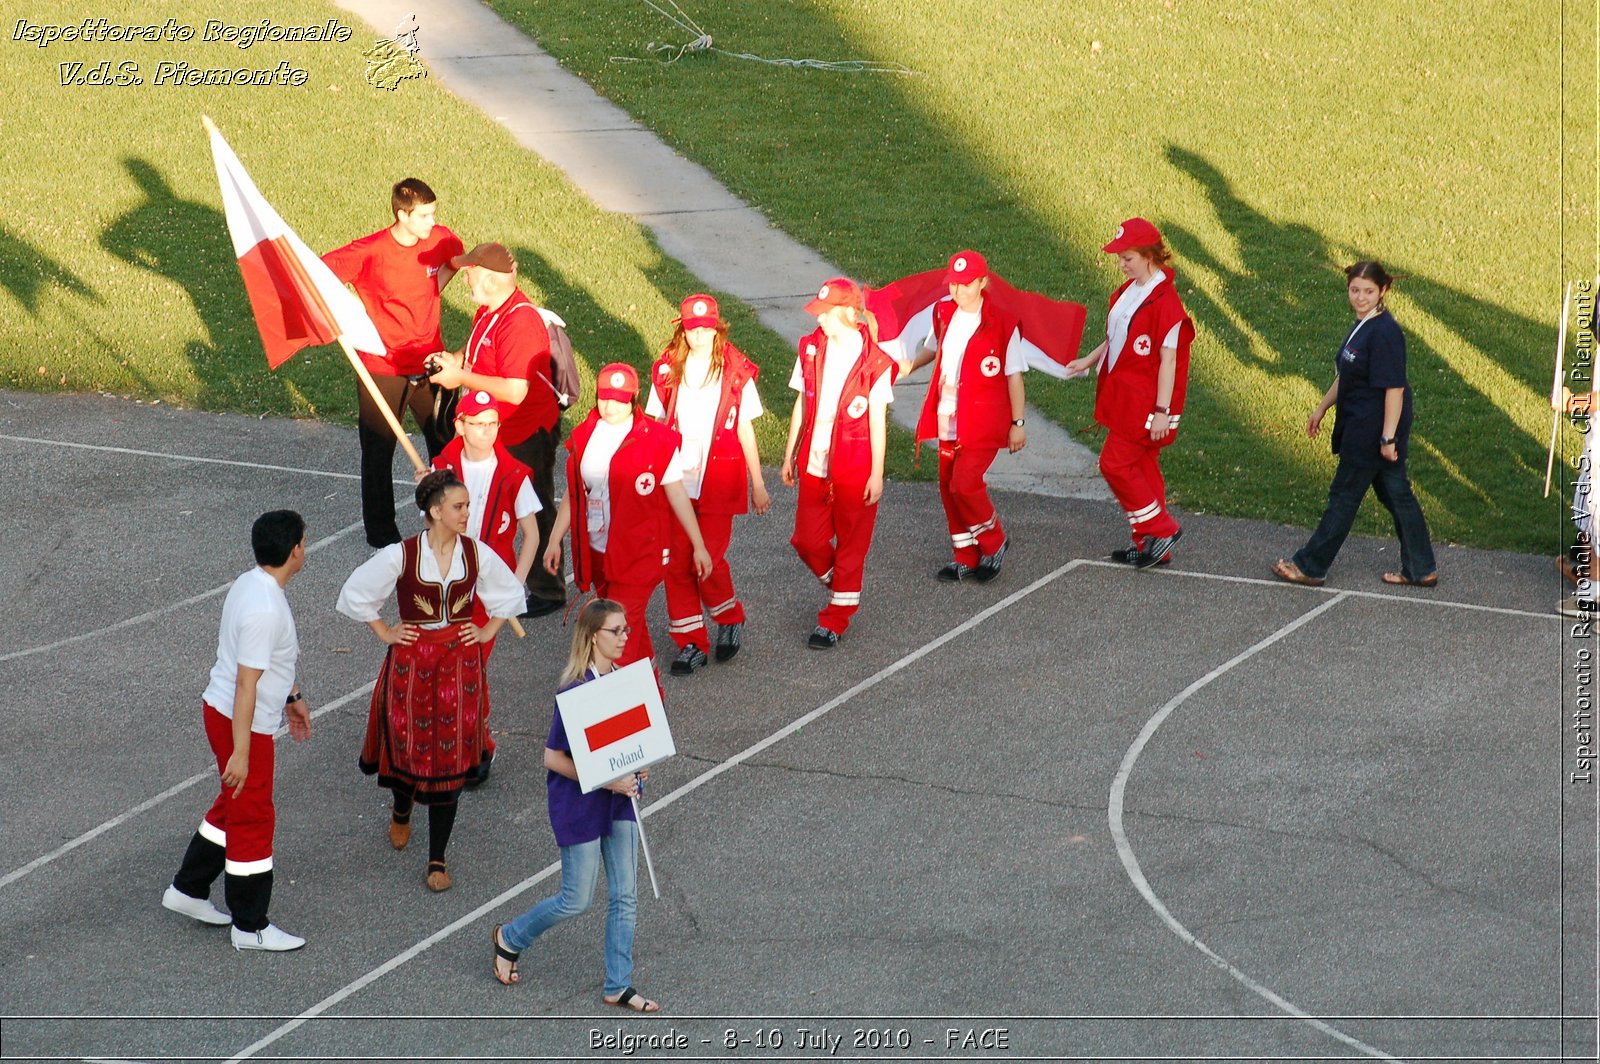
(429, 368)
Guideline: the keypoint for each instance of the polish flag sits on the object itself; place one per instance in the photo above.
(296, 299)
(603, 733)
(1052, 329)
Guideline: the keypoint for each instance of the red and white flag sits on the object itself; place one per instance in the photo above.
(296, 299)
(1051, 329)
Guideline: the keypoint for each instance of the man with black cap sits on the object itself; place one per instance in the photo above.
(508, 356)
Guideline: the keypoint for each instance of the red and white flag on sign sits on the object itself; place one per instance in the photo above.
(296, 299)
(1052, 329)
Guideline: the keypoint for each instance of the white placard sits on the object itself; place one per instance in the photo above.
(616, 725)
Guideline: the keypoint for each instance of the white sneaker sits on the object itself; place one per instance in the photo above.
(272, 938)
(196, 908)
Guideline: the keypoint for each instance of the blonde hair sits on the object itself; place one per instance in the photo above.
(857, 315)
(590, 620)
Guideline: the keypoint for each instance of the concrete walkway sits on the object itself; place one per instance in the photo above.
(624, 167)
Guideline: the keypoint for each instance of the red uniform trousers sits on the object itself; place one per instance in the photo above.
(242, 826)
(686, 592)
(1133, 473)
(832, 535)
(974, 524)
(634, 600)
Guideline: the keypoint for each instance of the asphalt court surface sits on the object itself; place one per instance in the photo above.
(1186, 814)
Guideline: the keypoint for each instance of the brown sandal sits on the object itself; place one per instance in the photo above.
(438, 877)
(399, 830)
(1291, 572)
(1431, 580)
(501, 953)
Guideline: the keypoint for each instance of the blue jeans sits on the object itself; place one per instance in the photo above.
(580, 867)
(1389, 482)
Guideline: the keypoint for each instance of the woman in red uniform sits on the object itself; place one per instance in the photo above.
(837, 434)
(705, 388)
(426, 727)
(1139, 398)
(624, 488)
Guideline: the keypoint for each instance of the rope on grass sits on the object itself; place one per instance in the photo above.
(667, 54)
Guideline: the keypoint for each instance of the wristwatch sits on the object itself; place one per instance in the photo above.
(1164, 410)
(1019, 422)
(1385, 441)
(296, 697)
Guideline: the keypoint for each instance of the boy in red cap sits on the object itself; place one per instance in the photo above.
(837, 435)
(705, 388)
(624, 488)
(399, 273)
(1139, 399)
(502, 504)
(974, 407)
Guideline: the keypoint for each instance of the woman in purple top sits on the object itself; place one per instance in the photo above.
(590, 828)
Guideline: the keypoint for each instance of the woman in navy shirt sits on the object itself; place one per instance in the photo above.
(1370, 435)
(590, 828)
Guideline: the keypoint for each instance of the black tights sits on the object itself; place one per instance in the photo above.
(441, 817)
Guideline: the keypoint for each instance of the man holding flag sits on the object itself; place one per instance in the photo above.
(399, 272)
(295, 299)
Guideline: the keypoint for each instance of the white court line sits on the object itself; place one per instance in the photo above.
(151, 803)
(185, 457)
(666, 800)
(171, 607)
(1285, 585)
(1130, 863)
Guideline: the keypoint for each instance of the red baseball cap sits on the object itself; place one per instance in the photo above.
(1133, 233)
(699, 311)
(618, 381)
(474, 403)
(966, 267)
(839, 292)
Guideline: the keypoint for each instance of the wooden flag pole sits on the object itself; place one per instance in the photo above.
(1555, 389)
(383, 407)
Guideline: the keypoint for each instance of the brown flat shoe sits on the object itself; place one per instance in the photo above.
(1431, 580)
(1291, 572)
(1564, 564)
(438, 878)
(399, 832)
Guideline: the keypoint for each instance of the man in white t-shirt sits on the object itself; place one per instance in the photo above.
(252, 690)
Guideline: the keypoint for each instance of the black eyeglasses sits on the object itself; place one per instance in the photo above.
(621, 631)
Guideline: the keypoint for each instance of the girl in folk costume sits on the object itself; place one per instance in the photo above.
(1139, 398)
(425, 731)
(591, 829)
(624, 489)
(974, 408)
(502, 504)
(845, 383)
(705, 388)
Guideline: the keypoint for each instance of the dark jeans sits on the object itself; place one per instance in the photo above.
(538, 453)
(1390, 484)
(377, 449)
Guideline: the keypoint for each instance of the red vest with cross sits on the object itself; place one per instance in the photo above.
(639, 538)
(850, 454)
(983, 392)
(499, 523)
(1125, 395)
(724, 486)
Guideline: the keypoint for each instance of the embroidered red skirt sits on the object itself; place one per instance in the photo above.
(428, 721)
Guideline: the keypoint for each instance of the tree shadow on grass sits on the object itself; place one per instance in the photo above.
(1283, 312)
(187, 242)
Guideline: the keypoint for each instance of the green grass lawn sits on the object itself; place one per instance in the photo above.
(1271, 142)
(116, 270)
